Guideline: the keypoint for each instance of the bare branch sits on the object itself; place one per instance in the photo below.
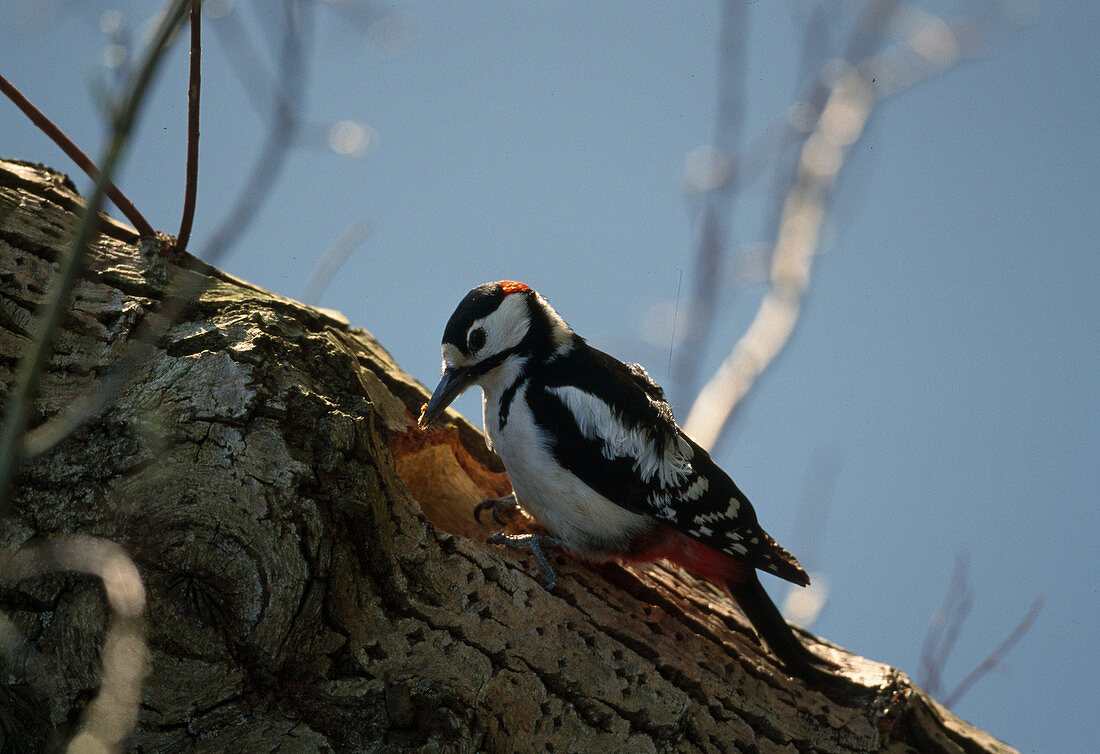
(953, 611)
(944, 630)
(804, 605)
(842, 121)
(284, 126)
(849, 94)
(714, 188)
(193, 90)
(48, 127)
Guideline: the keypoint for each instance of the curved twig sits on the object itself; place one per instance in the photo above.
(112, 714)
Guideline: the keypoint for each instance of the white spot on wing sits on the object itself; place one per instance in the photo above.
(708, 518)
(697, 489)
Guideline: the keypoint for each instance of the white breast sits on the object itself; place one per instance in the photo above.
(585, 521)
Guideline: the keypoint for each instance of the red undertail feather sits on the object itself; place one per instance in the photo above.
(693, 556)
(740, 580)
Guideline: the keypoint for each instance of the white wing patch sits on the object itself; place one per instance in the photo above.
(662, 506)
(596, 420)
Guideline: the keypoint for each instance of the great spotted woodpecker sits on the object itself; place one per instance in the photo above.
(596, 457)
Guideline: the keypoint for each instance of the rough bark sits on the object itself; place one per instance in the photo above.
(314, 579)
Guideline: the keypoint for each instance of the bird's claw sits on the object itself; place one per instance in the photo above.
(536, 543)
(499, 506)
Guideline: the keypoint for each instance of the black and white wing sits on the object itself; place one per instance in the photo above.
(612, 427)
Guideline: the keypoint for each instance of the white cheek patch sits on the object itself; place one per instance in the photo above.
(452, 357)
(504, 328)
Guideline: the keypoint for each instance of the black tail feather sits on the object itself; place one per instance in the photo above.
(773, 629)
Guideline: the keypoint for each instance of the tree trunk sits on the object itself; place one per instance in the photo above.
(313, 577)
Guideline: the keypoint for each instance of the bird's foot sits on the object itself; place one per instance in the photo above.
(536, 543)
(504, 509)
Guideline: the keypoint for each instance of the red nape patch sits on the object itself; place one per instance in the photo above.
(511, 286)
(691, 555)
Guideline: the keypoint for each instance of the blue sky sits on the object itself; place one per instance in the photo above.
(945, 365)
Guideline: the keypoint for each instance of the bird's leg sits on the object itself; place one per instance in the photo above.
(503, 508)
(536, 543)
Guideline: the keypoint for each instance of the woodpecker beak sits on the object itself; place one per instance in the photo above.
(453, 384)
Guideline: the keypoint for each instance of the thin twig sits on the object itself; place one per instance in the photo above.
(192, 129)
(944, 630)
(675, 316)
(74, 152)
(996, 655)
(17, 416)
(933, 656)
(284, 125)
(182, 286)
(331, 260)
(952, 631)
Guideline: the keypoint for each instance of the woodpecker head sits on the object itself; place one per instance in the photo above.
(496, 329)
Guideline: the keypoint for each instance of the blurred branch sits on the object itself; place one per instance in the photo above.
(193, 90)
(331, 260)
(48, 127)
(803, 605)
(841, 122)
(944, 630)
(183, 289)
(247, 63)
(284, 125)
(814, 65)
(848, 93)
(997, 655)
(112, 714)
(261, 86)
(713, 185)
(17, 415)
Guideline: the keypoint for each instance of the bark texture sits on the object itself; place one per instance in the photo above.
(314, 580)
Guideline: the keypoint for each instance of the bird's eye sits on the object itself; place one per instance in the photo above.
(476, 340)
